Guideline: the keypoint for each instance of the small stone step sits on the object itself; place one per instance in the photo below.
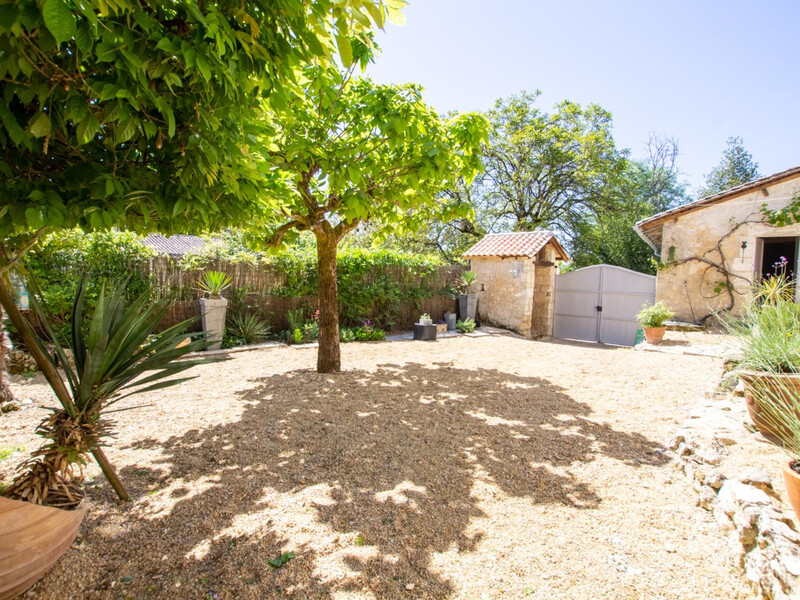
(683, 326)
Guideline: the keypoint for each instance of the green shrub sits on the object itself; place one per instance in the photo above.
(654, 315)
(770, 337)
(466, 326)
(298, 336)
(296, 318)
(247, 329)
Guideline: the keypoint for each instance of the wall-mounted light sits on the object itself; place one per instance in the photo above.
(744, 245)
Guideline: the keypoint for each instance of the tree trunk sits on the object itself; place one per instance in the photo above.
(329, 355)
(6, 394)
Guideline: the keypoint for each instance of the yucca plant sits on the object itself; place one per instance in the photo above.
(214, 283)
(464, 283)
(115, 354)
(249, 328)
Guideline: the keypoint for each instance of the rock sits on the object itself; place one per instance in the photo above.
(675, 441)
(738, 391)
(706, 497)
(715, 480)
(757, 478)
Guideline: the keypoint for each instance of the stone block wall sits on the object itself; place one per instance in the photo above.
(544, 293)
(505, 291)
(693, 288)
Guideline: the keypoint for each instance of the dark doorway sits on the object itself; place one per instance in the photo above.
(779, 256)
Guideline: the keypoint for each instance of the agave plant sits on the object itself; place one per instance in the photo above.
(464, 283)
(214, 283)
(115, 354)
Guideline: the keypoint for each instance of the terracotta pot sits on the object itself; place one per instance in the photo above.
(654, 335)
(32, 539)
(784, 385)
(792, 482)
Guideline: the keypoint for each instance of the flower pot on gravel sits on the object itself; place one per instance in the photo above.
(782, 386)
(213, 312)
(450, 319)
(32, 538)
(654, 335)
(468, 306)
(791, 479)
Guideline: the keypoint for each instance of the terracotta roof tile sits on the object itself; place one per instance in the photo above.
(525, 243)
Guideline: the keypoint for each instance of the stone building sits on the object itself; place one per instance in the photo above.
(715, 248)
(515, 283)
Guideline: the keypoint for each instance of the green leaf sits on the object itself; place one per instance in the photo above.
(40, 126)
(59, 19)
(34, 217)
(345, 50)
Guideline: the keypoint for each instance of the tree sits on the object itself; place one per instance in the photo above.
(735, 168)
(646, 187)
(149, 116)
(352, 151)
(542, 171)
(545, 170)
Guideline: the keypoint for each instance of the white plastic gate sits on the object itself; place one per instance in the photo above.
(599, 304)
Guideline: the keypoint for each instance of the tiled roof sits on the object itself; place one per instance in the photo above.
(174, 245)
(649, 229)
(506, 245)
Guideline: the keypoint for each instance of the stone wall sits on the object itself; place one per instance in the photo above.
(544, 293)
(517, 293)
(693, 288)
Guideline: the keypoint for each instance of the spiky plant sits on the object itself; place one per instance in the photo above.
(115, 354)
(214, 283)
(248, 327)
(464, 283)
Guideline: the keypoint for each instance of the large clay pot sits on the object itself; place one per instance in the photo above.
(781, 385)
(792, 482)
(654, 335)
(32, 539)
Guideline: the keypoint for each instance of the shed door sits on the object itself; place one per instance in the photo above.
(599, 304)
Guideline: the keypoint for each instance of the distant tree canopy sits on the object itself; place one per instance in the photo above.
(647, 187)
(735, 168)
(542, 170)
(152, 115)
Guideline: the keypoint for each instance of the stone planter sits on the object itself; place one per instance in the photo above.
(785, 386)
(213, 314)
(426, 321)
(424, 332)
(450, 319)
(468, 306)
(654, 335)
(792, 482)
(32, 539)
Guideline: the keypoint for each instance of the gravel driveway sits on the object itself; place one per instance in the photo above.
(489, 467)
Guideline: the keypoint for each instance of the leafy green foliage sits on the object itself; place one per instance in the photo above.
(277, 563)
(246, 329)
(654, 315)
(770, 336)
(154, 116)
(465, 282)
(788, 215)
(213, 283)
(735, 168)
(466, 326)
(62, 260)
(373, 284)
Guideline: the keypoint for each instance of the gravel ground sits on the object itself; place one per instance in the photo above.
(488, 467)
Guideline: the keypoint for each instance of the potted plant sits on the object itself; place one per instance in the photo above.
(450, 319)
(652, 319)
(466, 326)
(467, 301)
(214, 306)
(778, 399)
(769, 333)
(425, 319)
(114, 351)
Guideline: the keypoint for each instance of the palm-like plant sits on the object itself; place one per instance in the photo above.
(249, 328)
(115, 355)
(466, 280)
(214, 283)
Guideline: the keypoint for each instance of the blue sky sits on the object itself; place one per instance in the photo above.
(700, 71)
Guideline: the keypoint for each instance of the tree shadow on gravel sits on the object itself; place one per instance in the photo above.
(402, 457)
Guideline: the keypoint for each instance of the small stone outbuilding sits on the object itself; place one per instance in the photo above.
(714, 249)
(516, 275)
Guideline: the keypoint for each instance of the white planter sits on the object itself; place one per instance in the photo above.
(213, 313)
(426, 321)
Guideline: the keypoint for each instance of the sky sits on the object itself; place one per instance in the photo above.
(699, 71)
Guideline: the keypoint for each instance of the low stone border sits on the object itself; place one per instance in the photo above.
(761, 538)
